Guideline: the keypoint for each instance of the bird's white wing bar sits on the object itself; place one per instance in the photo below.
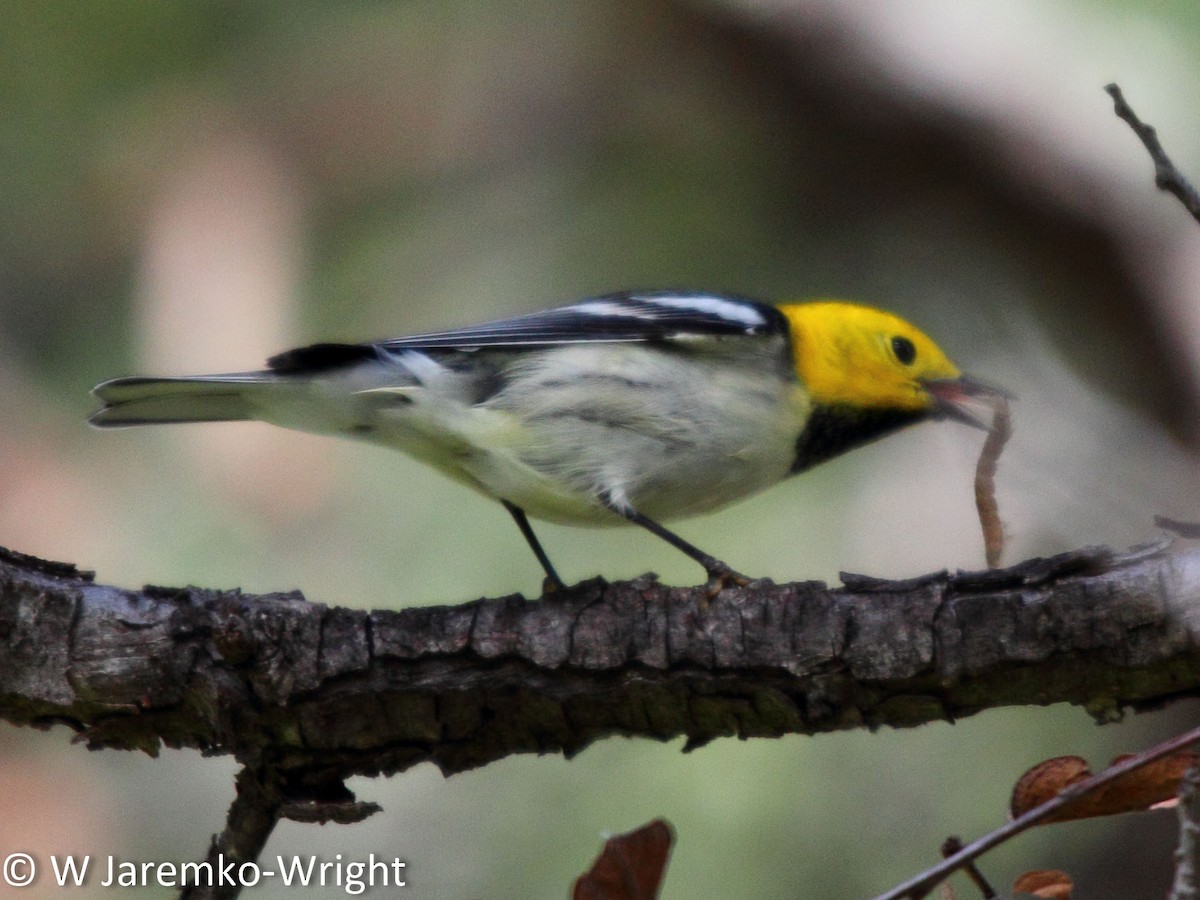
(730, 309)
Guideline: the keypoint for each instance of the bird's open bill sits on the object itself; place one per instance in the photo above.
(966, 400)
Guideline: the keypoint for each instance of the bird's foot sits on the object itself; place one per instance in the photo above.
(720, 577)
(552, 585)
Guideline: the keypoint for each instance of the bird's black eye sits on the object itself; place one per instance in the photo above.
(904, 350)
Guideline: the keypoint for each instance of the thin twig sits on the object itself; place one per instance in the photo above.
(1166, 176)
(954, 844)
(922, 884)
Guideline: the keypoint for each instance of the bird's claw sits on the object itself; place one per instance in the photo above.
(721, 578)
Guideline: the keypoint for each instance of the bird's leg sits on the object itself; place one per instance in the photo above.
(719, 574)
(553, 582)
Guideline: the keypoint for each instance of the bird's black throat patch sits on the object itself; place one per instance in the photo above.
(832, 430)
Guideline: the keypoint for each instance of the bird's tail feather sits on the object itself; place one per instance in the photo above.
(205, 398)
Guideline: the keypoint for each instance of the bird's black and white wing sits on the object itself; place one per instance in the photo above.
(627, 316)
(611, 318)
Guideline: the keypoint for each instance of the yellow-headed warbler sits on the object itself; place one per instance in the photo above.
(634, 407)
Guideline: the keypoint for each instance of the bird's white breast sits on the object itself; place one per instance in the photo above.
(669, 431)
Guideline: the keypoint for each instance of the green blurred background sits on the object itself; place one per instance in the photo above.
(193, 186)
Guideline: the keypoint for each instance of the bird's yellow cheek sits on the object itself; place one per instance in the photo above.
(921, 398)
(907, 397)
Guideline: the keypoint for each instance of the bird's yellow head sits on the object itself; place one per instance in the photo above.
(855, 356)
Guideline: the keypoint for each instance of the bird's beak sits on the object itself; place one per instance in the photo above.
(965, 400)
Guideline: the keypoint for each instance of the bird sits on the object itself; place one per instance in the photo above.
(637, 407)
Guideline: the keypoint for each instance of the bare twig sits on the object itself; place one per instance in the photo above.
(953, 845)
(1166, 176)
(922, 884)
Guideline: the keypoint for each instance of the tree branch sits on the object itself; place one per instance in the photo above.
(252, 817)
(318, 694)
(305, 695)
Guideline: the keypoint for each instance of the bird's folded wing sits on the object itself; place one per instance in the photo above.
(611, 318)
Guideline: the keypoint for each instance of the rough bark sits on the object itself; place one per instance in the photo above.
(319, 693)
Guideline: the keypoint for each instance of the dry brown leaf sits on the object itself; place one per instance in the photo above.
(1044, 782)
(1150, 786)
(630, 867)
(985, 483)
(1050, 884)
